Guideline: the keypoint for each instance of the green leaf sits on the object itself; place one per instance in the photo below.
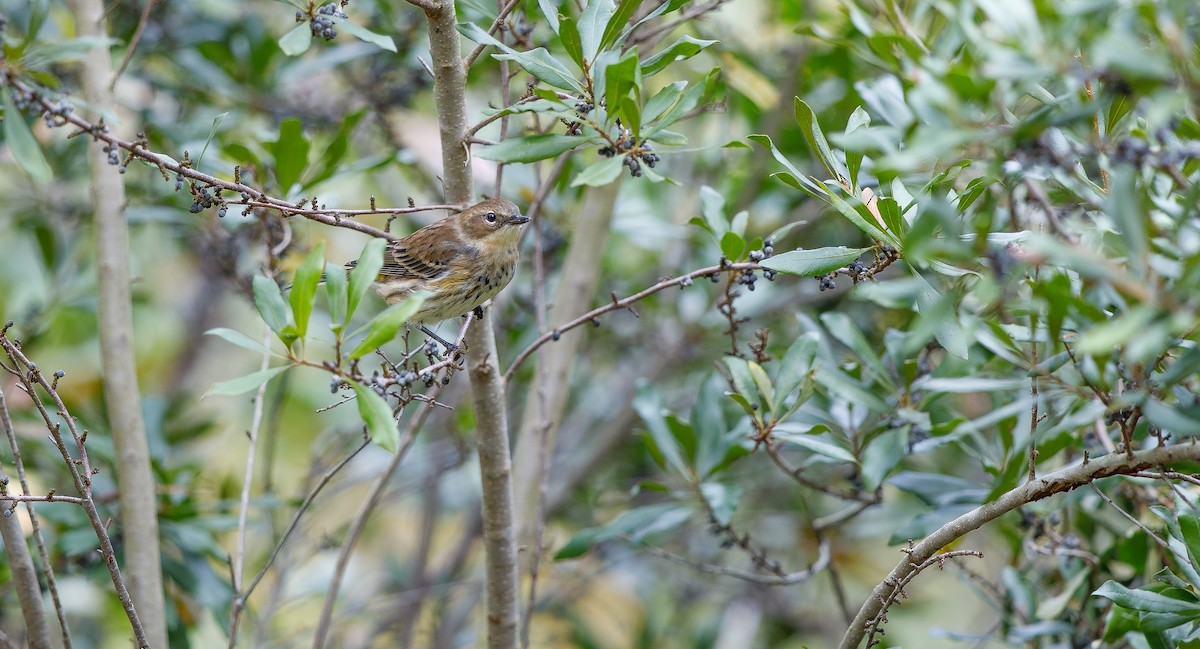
(297, 41)
(42, 56)
(550, 12)
(721, 499)
(732, 246)
(662, 101)
(649, 407)
(592, 24)
(244, 384)
(796, 365)
(810, 263)
(805, 438)
(25, 150)
(290, 152)
(630, 115)
(364, 273)
(1104, 338)
(238, 338)
(620, 18)
(599, 173)
(867, 225)
(269, 301)
(621, 77)
(836, 382)
(1145, 600)
(365, 35)
(327, 164)
(635, 523)
(568, 33)
(797, 179)
(542, 65)
(712, 207)
(763, 383)
(841, 327)
(304, 289)
(385, 325)
(336, 295)
(381, 423)
(817, 142)
(681, 50)
(530, 148)
(882, 455)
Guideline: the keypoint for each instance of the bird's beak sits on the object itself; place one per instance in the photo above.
(520, 219)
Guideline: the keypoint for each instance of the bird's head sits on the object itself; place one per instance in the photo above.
(496, 221)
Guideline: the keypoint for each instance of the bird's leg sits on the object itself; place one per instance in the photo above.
(479, 313)
(451, 347)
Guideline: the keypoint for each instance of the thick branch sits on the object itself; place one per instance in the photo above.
(487, 387)
(135, 479)
(1052, 483)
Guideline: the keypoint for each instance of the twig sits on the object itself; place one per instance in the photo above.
(238, 603)
(785, 579)
(360, 523)
(1133, 519)
(23, 573)
(507, 9)
(35, 524)
(80, 474)
(617, 305)
(1045, 486)
(133, 43)
(254, 198)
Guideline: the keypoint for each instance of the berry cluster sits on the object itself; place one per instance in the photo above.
(858, 271)
(203, 200)
(750, 276)
(56, 113)
(322, 23)
(635, 155)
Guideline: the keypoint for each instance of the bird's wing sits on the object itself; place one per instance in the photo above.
(423, 255)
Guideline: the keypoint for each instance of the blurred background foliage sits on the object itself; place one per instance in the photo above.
(1019, 179)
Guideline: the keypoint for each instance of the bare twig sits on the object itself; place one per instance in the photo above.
(81, 473)
(238, 602)
(1045, 486)
(133, 43)
(35, 524)
(785, 579)
(500, 18)
(618, 305)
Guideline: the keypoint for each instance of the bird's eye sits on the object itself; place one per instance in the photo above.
(490, 216)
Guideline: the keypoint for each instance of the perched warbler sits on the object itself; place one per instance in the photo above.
(461, 261)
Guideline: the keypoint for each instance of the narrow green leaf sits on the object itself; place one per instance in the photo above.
(367, 36)
(377, 414)
(796, 365)
(621, 77)
(806, 438)
(816, 140)
(269, 301)
(542, 65)
(238, 338)
(568, 33)
(866, 224)
(592, 24)
(244, 384)
(24, 146)
(304, 289)
(841, 327)
(618, 21)
(599, 173)
(662, 101)
(550, 12)
(39, 57)
(530, 148)
(649, 407)
(297, 41)
(327, 164)
(385, 325)
(837, 382)
(797, 178)
(290, 152)
(810, 263)
(364, 273)
(721, 499)
(681, 50)
(631, 116)
(763, 383)
(336, 295)
(1145, 600)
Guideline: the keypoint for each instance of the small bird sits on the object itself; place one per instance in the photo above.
(462, 261)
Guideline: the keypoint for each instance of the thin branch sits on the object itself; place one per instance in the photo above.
(507, 9)
(133, 43)
(786, 579)
(254, 197)
(43, 554)
(52, 498)
(360, 522)
(23, 573)
(1045, 486)
(1133, 519)
(81, 474)
(617, 305)
(238, 602)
